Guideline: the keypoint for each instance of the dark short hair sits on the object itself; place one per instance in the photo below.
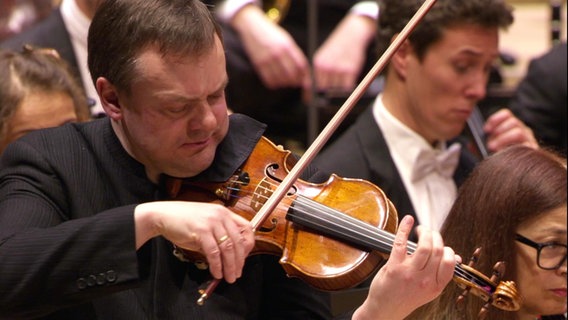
(395, 14)
(122, 29)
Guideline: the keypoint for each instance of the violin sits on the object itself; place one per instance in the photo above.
(332, 235)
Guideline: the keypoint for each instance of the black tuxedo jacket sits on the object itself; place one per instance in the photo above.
(361, 152)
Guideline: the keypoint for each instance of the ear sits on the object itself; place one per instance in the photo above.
(109, 98)
(400, 59)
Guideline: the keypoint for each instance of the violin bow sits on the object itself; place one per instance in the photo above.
(334, 123)
(280, 192)
(475, 125)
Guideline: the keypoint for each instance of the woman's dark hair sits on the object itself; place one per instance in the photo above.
(510, 187)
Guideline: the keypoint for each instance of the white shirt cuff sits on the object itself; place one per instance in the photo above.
(229, 8)
(366, 8)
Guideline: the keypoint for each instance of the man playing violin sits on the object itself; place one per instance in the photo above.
(404, 141)
(87, 228)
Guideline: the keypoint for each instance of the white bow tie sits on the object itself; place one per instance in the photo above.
(445, 163)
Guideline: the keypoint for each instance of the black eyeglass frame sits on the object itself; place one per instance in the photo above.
(538, 246)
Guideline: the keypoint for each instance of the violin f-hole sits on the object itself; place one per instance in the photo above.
(271, 173)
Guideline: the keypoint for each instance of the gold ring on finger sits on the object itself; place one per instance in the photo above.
(222, 239)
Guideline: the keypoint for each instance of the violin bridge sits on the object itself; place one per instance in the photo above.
(262, 192)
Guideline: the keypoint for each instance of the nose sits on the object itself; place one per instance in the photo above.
(203, 119)
(477, 89)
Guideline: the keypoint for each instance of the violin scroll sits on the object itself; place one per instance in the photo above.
(506, 296)
(501, 294)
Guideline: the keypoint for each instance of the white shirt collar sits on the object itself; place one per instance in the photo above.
(77, 24)
(402, 141)
(75, 20)
(430, 197)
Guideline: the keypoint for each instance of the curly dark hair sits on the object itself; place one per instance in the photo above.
(395, 14)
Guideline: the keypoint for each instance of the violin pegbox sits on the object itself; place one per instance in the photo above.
(472, 261)
(500, 294)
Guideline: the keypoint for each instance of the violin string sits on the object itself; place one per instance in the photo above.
(339, 220)
(371, 232)
(355, 223)
(346, 222)
(475, 123)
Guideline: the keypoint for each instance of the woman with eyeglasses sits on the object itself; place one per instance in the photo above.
(513, 206)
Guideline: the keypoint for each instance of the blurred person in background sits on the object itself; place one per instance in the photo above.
(270, 64)
(37, 90)
(541, 99)
(65, 30)
(19, 15)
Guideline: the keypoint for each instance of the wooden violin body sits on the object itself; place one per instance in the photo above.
(322, 261)
(332, 235)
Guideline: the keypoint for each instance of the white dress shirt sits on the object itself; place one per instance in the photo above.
(77, 25)
(433, 194)
(227, 10)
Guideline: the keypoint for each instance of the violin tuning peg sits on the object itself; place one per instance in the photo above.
(474, 257)
(498, 271)
(483, 312)
(460, 302)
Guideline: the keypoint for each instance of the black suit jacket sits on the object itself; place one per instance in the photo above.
(67, 241)
(541, 99)
(361, 152)
(51, 33)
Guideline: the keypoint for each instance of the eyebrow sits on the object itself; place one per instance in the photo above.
(557, 231)
(223, 85)
(473, 52)
(184, 99)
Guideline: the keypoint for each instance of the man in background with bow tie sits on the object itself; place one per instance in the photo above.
(405, 142)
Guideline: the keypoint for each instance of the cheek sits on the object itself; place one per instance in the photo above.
(433, 90)
(151, 132)
(162, 133)
(529, 278)
(222, 120)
